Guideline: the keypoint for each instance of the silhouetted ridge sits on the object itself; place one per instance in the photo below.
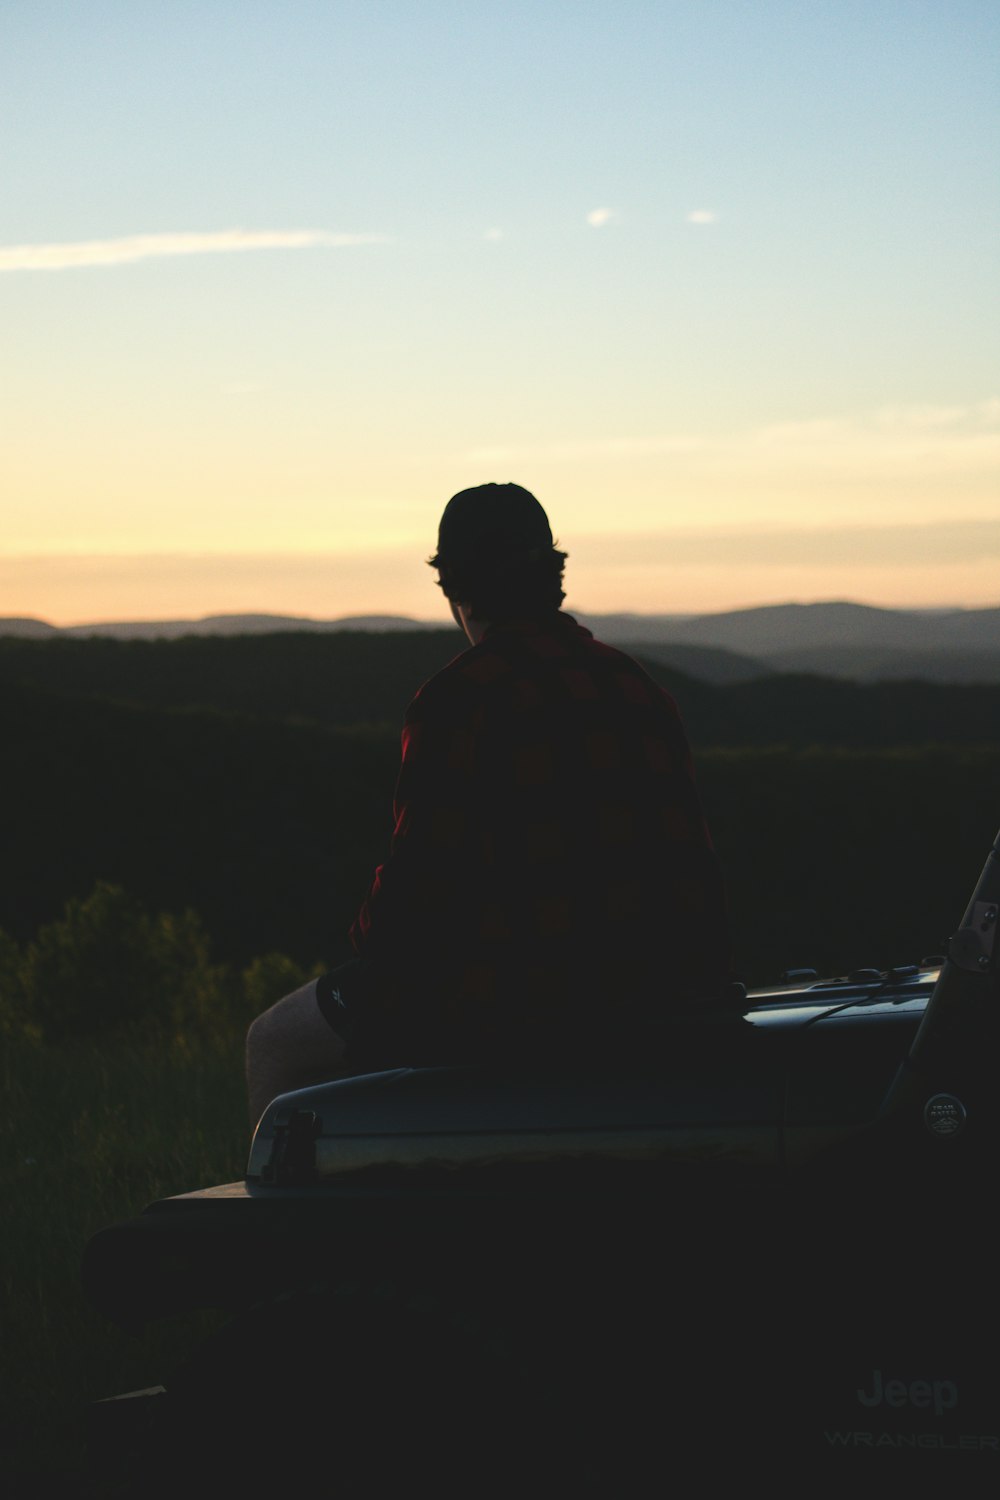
(363, 677)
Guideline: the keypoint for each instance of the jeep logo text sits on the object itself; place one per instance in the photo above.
(940, 1395)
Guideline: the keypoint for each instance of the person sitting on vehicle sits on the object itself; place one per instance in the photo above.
(551, 888)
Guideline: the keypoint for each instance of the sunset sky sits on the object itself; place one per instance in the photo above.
(716, 279)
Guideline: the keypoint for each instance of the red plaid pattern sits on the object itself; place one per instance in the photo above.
(550, 865)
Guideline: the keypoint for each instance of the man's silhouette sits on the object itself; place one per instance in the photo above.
(550, 890)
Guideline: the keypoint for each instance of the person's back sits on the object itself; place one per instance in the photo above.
(550, 888)
(551, 870)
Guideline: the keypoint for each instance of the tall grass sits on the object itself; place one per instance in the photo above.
(89, 1134)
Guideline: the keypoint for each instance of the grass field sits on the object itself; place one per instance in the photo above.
(90, 1134)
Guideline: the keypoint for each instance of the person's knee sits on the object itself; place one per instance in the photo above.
(258, 1036)
(294, 1033)
(284, 1018)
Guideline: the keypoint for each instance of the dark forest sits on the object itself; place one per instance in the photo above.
(249, 779)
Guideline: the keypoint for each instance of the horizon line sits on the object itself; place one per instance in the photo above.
(446, 623)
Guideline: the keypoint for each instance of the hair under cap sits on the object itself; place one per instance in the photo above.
(492, 521)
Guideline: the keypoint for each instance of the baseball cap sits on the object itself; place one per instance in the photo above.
(491, 521)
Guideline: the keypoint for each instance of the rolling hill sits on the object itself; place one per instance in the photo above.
(838, 639)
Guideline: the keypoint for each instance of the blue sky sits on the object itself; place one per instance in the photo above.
(717, 280)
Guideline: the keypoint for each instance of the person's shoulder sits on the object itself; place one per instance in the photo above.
(571, 636)
(640, 685)
(457, 686)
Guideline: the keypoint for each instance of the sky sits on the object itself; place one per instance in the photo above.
(715, 279)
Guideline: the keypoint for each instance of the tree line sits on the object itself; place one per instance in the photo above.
(268, 831)
(340, 679)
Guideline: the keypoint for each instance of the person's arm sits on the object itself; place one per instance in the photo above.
(699, 899)
(412, 916)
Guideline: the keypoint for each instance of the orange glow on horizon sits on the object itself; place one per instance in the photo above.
(92, 590)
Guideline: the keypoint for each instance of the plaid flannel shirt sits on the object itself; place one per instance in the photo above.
(550, 867)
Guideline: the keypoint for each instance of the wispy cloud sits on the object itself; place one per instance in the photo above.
(937, 418)
(702, 216)
(598, 217)
(926, 422)
(918, 440)
(611, 448)
(902, 438)
(493, 234)
(65, 256)
(775, 546)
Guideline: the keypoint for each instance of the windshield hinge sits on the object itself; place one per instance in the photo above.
(972, 946)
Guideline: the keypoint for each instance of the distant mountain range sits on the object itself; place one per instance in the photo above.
(152, 630)
(834, 639)
(852, 641)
